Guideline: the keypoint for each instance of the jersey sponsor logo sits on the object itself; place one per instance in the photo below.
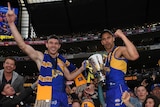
(54, 102)
(55, 73)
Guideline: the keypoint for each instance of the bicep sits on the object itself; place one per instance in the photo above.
(127, 55)
(32, 53)
(123, 53)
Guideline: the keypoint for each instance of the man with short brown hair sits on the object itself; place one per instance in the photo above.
(9, 76)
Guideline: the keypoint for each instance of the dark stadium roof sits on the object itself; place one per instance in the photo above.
(68, 16)
(63, 17)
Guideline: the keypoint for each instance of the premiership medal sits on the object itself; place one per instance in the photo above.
(107, 69)
(108, 61)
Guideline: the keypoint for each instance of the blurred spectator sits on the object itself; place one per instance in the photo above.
(9, 76)
(87, 103)
(151, 101)
(141, 93)
(155, 90)
(76, 103)
(91, 94)
(11, 99)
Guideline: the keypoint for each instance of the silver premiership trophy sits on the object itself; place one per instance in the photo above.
(97, 64)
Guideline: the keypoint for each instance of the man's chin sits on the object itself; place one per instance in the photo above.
(52, 52)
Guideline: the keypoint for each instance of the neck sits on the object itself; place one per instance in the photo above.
(110, 49)
(51, 54)
(8, 73)
(141, 100)
(54, 55)
(8, 76)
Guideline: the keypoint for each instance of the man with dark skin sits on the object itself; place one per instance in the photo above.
(116, 65)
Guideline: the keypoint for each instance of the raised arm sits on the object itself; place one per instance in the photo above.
(30, 51)
(129, 51)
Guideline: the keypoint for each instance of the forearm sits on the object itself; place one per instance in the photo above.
(131, 49)
(29, 50)
(17, 36)
(75, 74)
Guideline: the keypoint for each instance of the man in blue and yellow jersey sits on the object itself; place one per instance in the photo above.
(54, 68)
(116, 65)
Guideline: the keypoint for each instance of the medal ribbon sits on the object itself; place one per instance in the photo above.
(110, 56)
(54, 62)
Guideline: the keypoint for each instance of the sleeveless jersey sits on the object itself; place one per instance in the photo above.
(115, 83)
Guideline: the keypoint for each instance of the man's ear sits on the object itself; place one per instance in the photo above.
(114, 38)
(59, 46)
(46, 45)
(14, 67)
(101, 42)
(3, 64)
(3, 93)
